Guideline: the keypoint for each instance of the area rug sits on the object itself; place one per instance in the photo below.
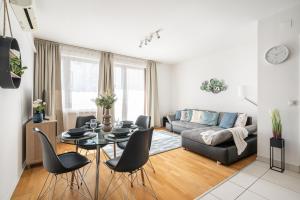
(162, 141)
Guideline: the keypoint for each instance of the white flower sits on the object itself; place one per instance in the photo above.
(44, 103)
(39, 100)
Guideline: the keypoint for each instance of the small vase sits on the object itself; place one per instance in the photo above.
(106, 121)
(37, 117)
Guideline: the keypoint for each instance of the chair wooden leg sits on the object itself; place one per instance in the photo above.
(143, 178)
(131, 180)
(151, 166)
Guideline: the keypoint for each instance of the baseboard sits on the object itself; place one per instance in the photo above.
(288, 166)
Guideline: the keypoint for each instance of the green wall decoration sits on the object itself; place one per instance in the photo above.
(213, 85)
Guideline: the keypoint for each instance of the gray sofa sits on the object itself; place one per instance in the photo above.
(225, 152)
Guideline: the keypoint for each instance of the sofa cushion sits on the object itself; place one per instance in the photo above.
(195, 134)
(178, 115)
(210, 118)
(185, 115)
(228, 120)
(196, 116)
(187, 125)
(241, 120)
(223, 136)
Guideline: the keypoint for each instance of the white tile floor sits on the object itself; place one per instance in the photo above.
(257, 182)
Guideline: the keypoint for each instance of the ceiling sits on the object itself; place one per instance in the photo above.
(190, 27)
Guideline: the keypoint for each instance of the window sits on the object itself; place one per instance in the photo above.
(79, 78)
(79, 83)
(129, 89)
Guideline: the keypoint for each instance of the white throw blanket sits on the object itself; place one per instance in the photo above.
(238, 133)
(208, 136)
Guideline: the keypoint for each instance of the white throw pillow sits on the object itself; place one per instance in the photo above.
(241, 120)
(196, 116)
(185, 115)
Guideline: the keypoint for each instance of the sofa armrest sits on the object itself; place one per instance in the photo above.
(171, 118)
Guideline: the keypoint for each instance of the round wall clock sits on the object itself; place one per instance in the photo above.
(277, 54)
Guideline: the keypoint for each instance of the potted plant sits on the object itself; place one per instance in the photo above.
(16, 66)
(106, 102)
(38, 109)
(276, 124)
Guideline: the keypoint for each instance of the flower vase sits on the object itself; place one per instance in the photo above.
(106, 121)
(37, 117)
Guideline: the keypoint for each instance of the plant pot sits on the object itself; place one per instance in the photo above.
(276, 142)
(37, 117)
(276, 135)
(7, 79)
(106, 121)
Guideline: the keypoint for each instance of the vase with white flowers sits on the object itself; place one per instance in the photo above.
(38, 110)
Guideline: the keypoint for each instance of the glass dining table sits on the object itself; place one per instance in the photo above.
(98, 139)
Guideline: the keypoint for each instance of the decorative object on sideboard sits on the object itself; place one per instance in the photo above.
(106, 102)
(11, 68)
(277, 54)
(214, 85)
(276, 124)
(149, 38)
(243, 96)
(38, 110)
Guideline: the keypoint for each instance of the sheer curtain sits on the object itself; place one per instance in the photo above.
(129, 79)
(80, 73)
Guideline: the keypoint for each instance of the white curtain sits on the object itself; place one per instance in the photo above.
(151, 100)
(80, 72)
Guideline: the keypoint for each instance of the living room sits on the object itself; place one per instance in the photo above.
(211, 88)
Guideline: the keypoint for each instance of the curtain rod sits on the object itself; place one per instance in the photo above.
(93, 49)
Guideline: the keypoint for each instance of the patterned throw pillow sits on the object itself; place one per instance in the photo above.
(228, 120)
(196, 116)
(185, 115)
(241, 120)
(210, 118)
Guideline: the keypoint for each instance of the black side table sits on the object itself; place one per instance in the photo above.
(165, 120)
(277, 143)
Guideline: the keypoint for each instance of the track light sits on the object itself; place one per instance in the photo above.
(141, 44)
(157, 34)
(149, 38)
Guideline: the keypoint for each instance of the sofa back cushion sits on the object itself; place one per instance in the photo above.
(185, 115)
(209, 118)
(178, 115)
(241, 120)
(196, 116)
(228, 120)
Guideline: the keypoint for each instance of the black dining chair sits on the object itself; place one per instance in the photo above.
(60, 165)
(132, 160)
(143, 122)
(81, 122)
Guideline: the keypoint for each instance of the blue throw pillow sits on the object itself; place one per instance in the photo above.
(228, 120)
(178, 115)
(210, 118)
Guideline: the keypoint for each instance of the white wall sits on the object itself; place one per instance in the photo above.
(15, 109)
(279, 84)
(164, 88)
(235, 62)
